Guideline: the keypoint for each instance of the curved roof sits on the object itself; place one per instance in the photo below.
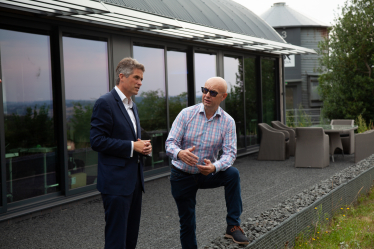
(222, 14)
(226, 18)
(281, 15)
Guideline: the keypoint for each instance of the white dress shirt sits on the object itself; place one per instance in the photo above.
(128, 106)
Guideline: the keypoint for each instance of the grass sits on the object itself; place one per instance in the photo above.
(351, 227)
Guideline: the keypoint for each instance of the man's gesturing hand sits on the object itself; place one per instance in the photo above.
(207, 168)
(143, 146)
(188, 157)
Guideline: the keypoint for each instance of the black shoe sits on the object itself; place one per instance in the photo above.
(236, 233)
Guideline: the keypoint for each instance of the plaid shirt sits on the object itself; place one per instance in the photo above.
(191, 128)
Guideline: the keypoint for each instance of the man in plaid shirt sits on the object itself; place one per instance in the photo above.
(198, 133)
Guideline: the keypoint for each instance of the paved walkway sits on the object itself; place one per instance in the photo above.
(264, 184)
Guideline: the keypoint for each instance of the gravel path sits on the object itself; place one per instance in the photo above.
(265, 184)
(258, 225)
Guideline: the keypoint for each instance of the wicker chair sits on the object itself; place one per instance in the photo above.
(348, 138)
(274, 144)
(312, 148)
(364, 145)
(280, 126)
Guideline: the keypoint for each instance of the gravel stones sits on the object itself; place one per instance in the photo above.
(256, 226)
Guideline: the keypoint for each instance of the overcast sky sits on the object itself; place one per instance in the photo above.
(323, 10)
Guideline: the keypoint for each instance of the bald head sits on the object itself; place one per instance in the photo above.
(211, 103)
(217, 82)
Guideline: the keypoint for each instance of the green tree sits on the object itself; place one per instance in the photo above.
(33, 129)
(347, 58)
(176, 104)
(152, 110)
(79, 125)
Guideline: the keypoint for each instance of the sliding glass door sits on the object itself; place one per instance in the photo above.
(205, 68)
(269, 105)
(28, 109)
(234, 103)
(151, 103)
(86, 75)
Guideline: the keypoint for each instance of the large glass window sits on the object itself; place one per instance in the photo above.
(30, 142)
(177, 83)
(151, 103)
(234, 103)
(86, 79)
(205, 68)
(268, 91)
(251, 100)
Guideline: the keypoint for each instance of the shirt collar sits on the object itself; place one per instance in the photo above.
(218, 112)
(123, 97)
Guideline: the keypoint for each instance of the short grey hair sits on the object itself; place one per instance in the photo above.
(126, 67)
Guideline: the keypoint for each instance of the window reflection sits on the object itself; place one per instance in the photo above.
(234, 103)
(251, 100)
(86, 79)
(177, 83)
(30, 144)
(268, 91)
(151, 103)
(289, 97)
(205, 68)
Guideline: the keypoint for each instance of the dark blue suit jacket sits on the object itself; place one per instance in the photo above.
(111, 134)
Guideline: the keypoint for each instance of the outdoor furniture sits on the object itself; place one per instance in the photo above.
(334, 133)
(364, 145)
(284, 126)
(274, 144)
(312, 148)
(348, 139)
(280, 126)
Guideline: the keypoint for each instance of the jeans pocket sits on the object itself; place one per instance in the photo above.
(175, 175)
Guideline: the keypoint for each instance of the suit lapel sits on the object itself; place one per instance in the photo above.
(135, 109)
(123, 110)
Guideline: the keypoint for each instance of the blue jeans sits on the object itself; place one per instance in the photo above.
(184, 188)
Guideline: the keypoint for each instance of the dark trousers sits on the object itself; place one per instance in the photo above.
(184, 188)
(122, 218)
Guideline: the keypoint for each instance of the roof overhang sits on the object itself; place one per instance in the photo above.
(97, 12)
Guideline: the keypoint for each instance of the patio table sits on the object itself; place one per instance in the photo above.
(334, 133)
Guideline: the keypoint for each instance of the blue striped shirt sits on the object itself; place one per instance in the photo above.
(192, 128)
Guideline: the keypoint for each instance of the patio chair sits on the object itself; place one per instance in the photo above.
(348, 138)
(364, 145)
(274, 144)
(312, 148)
(280, 126)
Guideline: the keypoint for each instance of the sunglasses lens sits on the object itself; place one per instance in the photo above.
(206, 90)
(213, 93)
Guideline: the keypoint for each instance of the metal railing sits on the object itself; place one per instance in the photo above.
(297, 116)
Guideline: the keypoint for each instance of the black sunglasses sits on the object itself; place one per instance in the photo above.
(206, 90)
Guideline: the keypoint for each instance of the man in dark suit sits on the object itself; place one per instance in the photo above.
(116, 136)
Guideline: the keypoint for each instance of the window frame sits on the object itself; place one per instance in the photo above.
(161, 45)
(89, 35)
(36, 29)
(239, 57)
(200, 50)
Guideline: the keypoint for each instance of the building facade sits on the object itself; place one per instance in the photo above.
(301, 71)
(59, 56)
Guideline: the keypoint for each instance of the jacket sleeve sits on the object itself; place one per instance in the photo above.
(101, 130)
